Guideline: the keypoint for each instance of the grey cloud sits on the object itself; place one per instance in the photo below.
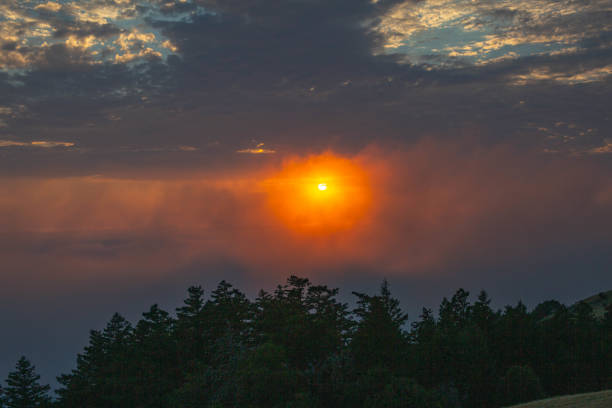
(87, 29)
(277, 72)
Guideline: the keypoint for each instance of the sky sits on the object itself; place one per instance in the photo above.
(146, 146)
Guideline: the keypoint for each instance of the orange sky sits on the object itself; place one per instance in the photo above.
(396, 212)
(295, 198)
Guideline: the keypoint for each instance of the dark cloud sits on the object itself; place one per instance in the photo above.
(9, 46)
(87, 29)
(277, 65)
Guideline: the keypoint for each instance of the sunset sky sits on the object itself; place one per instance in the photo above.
(146, 146)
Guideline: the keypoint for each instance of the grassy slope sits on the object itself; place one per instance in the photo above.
(600, 399)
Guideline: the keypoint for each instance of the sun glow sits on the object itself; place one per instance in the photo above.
(305, 209)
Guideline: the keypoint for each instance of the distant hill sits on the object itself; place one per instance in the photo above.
(600, 399)
(598, 302)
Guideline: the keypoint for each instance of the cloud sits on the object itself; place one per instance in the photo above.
(484, 30)
(49, 6)
(566, 78)
(604, 149)
(245, 70)
(51, 144)
(81, 42)
(106, 31)
(259, 149)
(35, 143)
(132, 46)
(449, 210)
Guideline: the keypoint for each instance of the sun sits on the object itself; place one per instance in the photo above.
(295, 194)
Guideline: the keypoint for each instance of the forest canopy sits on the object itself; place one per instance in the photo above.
(299, 346)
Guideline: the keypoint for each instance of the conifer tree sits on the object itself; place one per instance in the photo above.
(482, 315)
(23, 388)
(379, 339)
(306, 320)
(155, 357)
(297, 347)
(426, 359)
(193, 304)
(229, 310)
(190, 328)
(102, 375)
(78, 387)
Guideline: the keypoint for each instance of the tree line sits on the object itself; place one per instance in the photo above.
(299, 346)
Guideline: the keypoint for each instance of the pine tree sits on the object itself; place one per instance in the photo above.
(23, 388)
(455, 314)
(79, 388)
(229, 310)
(155, 357)
(426, 358)
(193, 304)
(115, 377)
(482, 315)
(190, 329)
(102, 377)
(379, 339)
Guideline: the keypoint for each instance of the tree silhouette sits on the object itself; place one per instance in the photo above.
(156, 357)
(606, 335)
(379, 338)
(298, 346)
(520, 384)
(190, 327)
(102, 377)
(23, 389)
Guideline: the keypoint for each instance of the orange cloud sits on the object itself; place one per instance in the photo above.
(35, 143)
(259, 149)
(423, 210)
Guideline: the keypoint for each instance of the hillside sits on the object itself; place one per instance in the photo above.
(601, 399)
(598, 302)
